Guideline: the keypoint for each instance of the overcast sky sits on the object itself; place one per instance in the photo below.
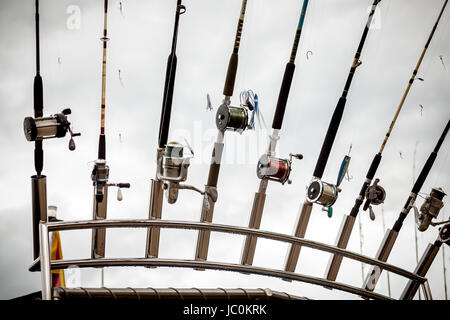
(140, 43)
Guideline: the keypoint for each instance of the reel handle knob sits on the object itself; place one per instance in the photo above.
(328, 210)
(296, 156)
(72, 145)
(123, 185)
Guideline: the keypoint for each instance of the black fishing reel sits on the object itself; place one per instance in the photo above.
(276, 169)
(430, 209)
(100, 176)
(173, 169)
(324, 194)
(444, 234)
(375, 195)
(55, 126)
(239, 118)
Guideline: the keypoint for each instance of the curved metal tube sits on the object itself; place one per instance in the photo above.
(88, 224)
(86, 263)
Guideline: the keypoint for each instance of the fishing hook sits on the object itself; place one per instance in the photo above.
(443, 64)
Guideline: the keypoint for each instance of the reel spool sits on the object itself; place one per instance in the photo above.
(99, 176)
(275, 169)
(444, 234)
(323, 193)
(232, 118)
(55, 126)
(172, 166)
(237, 118)
(430, 208)
(375, 195)
(172, 169)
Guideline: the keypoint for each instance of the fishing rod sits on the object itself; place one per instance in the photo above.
(271, 168)
(429, 210)
(372, 194)
(37, 129)
(426, 261)
(320, 192)
(172, 164)
(230, 118)
(100, 172)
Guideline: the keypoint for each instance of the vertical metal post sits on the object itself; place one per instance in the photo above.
(99, 235)
(156, 197)
(39, 208)
(427, 291)
(46, 274)
(248, 251)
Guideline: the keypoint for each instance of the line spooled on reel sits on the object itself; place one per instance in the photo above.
(430, 209)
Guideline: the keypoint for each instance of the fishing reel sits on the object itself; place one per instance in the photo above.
(239, 118)
(430, 209)
(276, 169)
(54, 126)
(375, 195)
(324, 194)
(99, 176)
(173, 169)
(444, 234)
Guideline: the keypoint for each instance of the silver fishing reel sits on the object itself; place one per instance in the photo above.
(324, 194)
(375, 195)
(99, 176)
(276, 169)
(54, 126)
(239, 118)
(173, 169)
(430, 209)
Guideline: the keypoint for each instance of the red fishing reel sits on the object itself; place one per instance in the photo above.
(275, 169)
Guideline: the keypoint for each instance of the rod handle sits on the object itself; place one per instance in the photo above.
(231, 75)
(167, 100)
(283, 96)
(102, 147)
(329, 138)
(38, 96)
(430, 161)
(442, 138)
(38, 157)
